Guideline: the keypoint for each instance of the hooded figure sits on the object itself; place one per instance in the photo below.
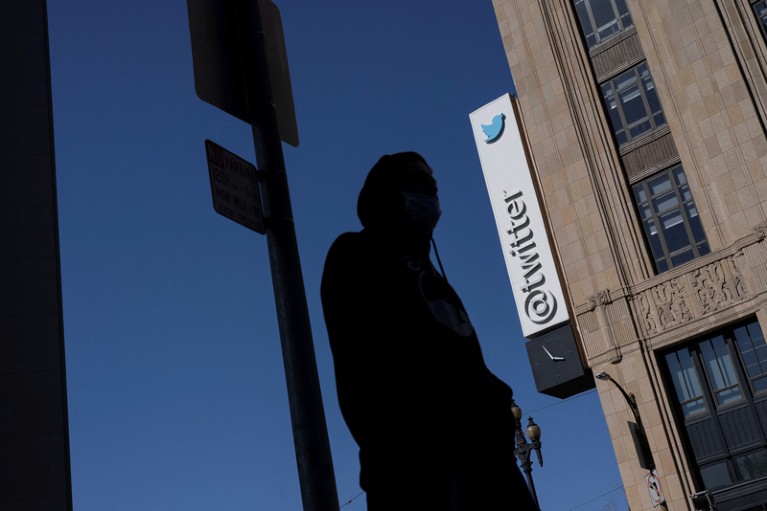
(433, 424)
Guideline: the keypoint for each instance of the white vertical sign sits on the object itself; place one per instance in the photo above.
(521, 229)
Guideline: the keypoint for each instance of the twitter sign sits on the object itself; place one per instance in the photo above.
(521, 228)
(494, 130)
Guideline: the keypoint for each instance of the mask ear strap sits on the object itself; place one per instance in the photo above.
(439, 261)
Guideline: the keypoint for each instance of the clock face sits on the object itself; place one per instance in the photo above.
(556, 364)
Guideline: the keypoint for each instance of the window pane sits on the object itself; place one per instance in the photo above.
(652, 236)
(696, 228)
(716, 476)
(638, 101)
(751, 466)
(623, 12)
(639, 194)
(718, 362)
(626, 81)
(674, 232)
(585, 21)
(720, 370)
(633, 107)
(640, 127)
(665, 202)
(615, 117)
(760, 384)
(644, 211)
(679, 176)
(605, 18)
(686, 383)
(602, 19)
(681, 258)
(753, 351)
(652, 96)
(671, 221)
(660, 184)
(728, 395)
(760, 9)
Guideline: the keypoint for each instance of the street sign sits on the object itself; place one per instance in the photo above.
(234, 186)
(654, 489)
(224, 52)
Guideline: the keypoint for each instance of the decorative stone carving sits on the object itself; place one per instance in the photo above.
(671, 303)
(600, 299)
(740, 284)
(710, 288)
(761, 231)
(648, 317)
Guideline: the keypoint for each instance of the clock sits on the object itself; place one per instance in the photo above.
(556, 364)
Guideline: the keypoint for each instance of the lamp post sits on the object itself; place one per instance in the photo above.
(629, 396)
(638, 433)
(523, 449)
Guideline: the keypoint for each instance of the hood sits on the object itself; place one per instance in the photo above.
(380, 206)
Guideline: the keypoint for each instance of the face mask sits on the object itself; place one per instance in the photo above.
(422, 212)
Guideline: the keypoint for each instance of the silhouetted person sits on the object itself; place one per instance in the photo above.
(433, 424)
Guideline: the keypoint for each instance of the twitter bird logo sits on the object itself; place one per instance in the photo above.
(494, 130)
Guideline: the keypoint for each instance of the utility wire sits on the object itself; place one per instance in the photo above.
(597, 498)
(561, 402)
(351, 499)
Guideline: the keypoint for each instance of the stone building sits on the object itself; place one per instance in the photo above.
(646, 125)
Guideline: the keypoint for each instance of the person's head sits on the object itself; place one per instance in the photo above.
(400, 197)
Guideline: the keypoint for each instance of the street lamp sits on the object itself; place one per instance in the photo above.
(630, 397)
(523, 449)
(638, 433)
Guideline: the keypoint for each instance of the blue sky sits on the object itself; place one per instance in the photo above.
(177, 396)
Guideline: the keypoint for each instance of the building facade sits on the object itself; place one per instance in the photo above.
(646, 125)
(34, 439)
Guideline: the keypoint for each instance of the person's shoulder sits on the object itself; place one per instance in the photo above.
(344, 263)
(349, 243)
(349, 239)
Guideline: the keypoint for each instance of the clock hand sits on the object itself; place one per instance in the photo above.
(552, 357)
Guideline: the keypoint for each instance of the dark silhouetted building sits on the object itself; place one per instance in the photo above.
(34, 440)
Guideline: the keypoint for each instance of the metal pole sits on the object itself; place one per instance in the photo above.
(523, 449)
(315, 464)
(310, 436)
(527, 468)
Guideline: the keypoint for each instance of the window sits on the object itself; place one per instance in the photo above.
(670, 220)
(720, 370)
(686, 382)
(753, 349)
(721, 399)
(632, 104)
(602, 19)
(760, 10)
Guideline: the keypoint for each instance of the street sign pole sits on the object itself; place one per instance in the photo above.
(315, 465)
(310, 436)
(234, 58)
